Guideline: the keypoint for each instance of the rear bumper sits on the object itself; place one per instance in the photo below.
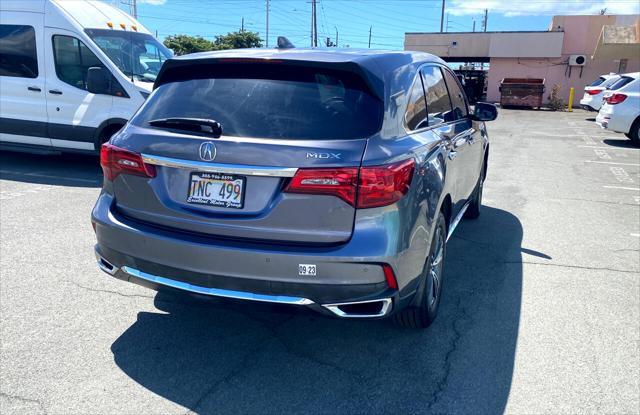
(160, 260)
(372, 302)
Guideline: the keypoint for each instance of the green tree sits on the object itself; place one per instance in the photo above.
(183, 44)
(238, 40)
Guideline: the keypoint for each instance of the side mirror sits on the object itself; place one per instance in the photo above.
(485, 112)
(98, 80)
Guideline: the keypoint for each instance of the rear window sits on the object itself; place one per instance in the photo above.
(270, 101)
(598, 81)
(620, 83)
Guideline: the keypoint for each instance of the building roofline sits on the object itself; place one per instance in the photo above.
(477, 33)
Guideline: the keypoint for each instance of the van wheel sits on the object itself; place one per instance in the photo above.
(473, 211)
(634, 132)
(107, 133)
(422, 315)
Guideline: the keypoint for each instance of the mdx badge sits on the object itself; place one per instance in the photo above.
(207, 151)
(311, 155)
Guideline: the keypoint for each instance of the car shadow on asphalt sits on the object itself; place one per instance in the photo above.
(219, 356)
(75, 170)
(624, 142)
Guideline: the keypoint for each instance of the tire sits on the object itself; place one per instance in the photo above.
(634, 132)
(107, 133)
(473, 211)
(423, 314)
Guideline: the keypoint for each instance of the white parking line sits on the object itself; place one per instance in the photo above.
(637, 189)
(612, 148)
(602, 154)
(611, 162)
(637, 235)
(621, 174)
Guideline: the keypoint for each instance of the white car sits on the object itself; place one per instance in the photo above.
(620, 111)
(71, 73)
(593, 94)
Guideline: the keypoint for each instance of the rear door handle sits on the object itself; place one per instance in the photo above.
(34, 88)
(55, 92)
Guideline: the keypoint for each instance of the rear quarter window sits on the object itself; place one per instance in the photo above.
(264, 101)
(620, 83)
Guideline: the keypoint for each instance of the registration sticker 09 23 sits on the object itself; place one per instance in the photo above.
(307, 270)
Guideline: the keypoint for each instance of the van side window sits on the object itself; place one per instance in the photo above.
(457, 96)
(416, 116)
(18, 56)
(438, 102)
(73, 59)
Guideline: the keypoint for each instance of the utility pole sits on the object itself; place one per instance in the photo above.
(135, 9)
(370, 27)
(242, 25)
(315, 24)
(484, 21)
(336, 36)
(474, 25)
(267, 42)
(442, 16)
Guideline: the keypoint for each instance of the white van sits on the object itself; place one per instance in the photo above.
(71, 73)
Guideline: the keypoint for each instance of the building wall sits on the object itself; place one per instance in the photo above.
(581, 35)
(552, 73)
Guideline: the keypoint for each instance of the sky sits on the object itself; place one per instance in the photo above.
(388, 19)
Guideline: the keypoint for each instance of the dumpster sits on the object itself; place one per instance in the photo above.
(521, 92)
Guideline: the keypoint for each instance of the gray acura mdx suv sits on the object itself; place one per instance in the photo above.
(329, 179)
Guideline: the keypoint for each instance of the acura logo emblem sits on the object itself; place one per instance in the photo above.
(207, 151)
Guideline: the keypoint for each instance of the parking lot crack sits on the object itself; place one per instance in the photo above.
(24, 400)
(572, 266)
(108, 291)
(457, 335)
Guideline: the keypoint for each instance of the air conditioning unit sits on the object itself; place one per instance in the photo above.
(577, 60)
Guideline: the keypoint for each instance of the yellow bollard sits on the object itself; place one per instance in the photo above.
(570, 104)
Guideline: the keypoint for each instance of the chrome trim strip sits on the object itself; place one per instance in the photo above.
(457, 220)
(216, 292)
(219, 167)
(386, 307)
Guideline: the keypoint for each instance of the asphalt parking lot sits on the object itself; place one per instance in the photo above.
(540, 314)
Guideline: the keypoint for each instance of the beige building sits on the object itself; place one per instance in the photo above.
(572, 53)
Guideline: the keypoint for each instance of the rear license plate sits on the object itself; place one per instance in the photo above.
(216, 189)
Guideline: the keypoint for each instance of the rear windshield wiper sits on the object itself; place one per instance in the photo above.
(199, 125)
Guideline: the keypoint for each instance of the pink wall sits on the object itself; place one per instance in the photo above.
(553, 73)
(581, 35)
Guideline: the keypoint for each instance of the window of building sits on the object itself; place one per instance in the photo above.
(438, 102)
(73, 59)
(18, 57)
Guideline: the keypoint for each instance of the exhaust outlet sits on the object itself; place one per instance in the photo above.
(105, 265)
(361, 309)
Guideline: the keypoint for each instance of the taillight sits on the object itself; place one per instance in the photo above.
(615, 99)
(366, 187)
(390, 276)
(593, 91)
(340, 182)
(115, 161)
(384, 185)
